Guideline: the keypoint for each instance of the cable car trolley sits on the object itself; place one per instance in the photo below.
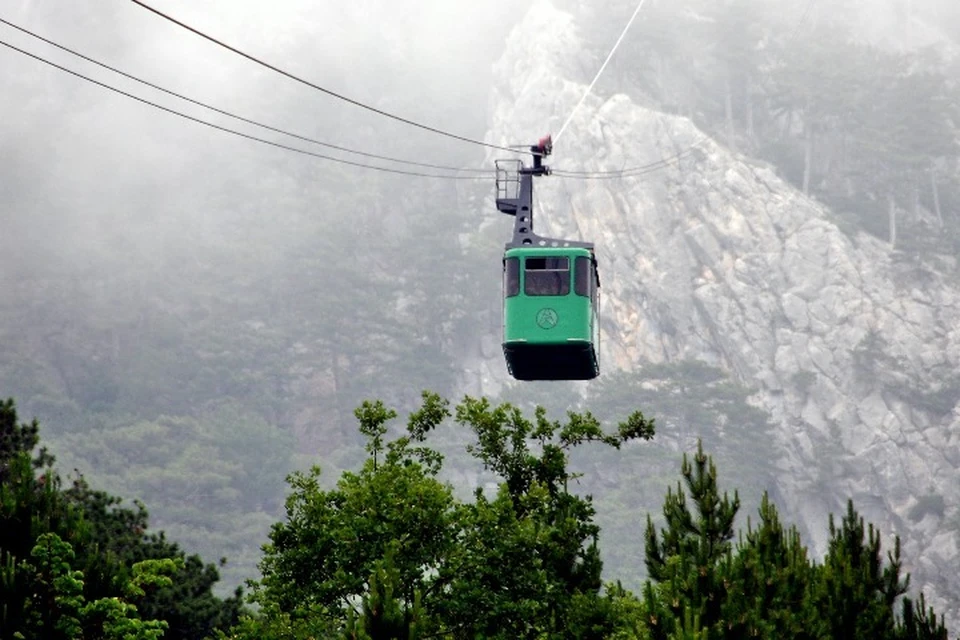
(551, 289)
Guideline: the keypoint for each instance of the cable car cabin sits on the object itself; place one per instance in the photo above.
(550, 322)
(551, 290)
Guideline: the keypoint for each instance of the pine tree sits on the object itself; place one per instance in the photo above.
(767, 581)
(31, 504)
(384, 616)
(765, 586)
(917, 622)
(855, 593)
(57, 608)
(685, 560)
(39, 521)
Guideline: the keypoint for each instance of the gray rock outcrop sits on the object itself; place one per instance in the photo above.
(853, 350)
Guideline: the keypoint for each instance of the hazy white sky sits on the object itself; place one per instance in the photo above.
(76, 152)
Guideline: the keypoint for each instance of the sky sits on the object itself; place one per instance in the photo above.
(422, 52)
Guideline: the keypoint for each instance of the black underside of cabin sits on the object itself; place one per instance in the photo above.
(570, 361)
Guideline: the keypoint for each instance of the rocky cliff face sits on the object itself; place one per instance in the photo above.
(853, 349)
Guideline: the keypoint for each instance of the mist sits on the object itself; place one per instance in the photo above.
(91, 172)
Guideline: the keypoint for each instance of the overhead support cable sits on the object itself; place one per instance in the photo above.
(233, 131)
(599, 72)
(237, 117)
(660, 164)
(803, 18)
(313, 85)
(629, 172)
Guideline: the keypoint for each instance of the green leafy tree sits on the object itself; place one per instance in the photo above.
(213, 481)
(383, 615)
(119, 539)
(533, 523)
(271, 623)
(389, 552)
(117, 618)
(332, 541)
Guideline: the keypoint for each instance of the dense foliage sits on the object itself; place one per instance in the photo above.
(519, 561)
(74, 563)
(765, 585)
(390, 553)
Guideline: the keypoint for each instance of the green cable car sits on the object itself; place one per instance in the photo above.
(551, 290)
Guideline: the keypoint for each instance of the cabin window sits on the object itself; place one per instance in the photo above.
(582, 276)
(548, 276)
(511, 277)
(595, 289)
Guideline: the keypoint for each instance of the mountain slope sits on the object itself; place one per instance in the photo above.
(854, 349)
